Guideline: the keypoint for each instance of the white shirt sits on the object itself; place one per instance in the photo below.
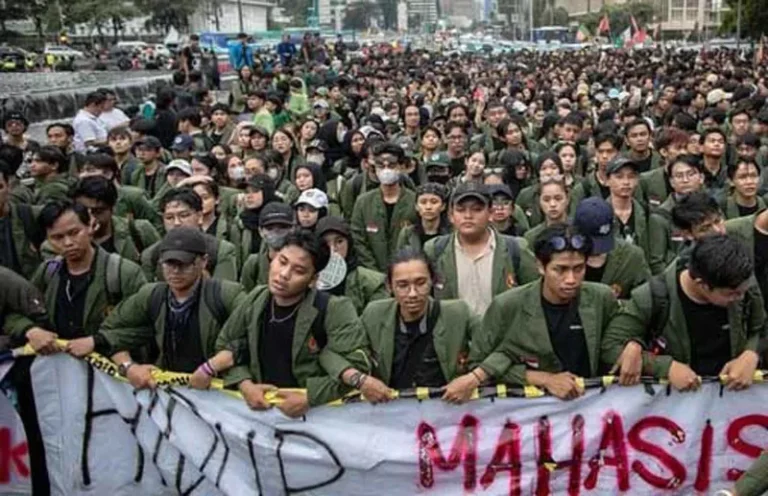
(87, 128)
(475, 275)
(113, 118)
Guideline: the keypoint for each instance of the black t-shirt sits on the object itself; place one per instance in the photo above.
(276, 345)
(213, 227)
(567, 336)
(627, 231)
(595, 274)
(710, 335)
(183, 346)
(644, 165)
(70, 304)
(390, 210)
(411, 339)
(744, 211)
(457, 166)
(109, 244)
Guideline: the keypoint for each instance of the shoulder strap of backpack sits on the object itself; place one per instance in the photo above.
(513, 251)
(659, 305)
(113, 279)
(318, 325)
(441, 243)
(357, 183)
(135, 235)
(214, 300)
(157, 300)
(51, 269)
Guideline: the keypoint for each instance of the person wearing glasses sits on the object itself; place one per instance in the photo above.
(476, 262)
(506, 217)
(713, 321)
(456, 146)
(550, 332)
(181, 317)
(183, 208)
(379, 215)
(686, 175)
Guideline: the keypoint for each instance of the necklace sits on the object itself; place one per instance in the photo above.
(275, 320)
(68, 290)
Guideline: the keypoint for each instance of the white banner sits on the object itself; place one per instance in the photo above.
(14, 462)
(101, 438)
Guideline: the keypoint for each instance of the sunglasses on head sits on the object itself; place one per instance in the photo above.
(562, 243)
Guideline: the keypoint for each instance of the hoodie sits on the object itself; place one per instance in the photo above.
(298, 102)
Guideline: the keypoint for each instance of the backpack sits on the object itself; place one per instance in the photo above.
(112, 276)
(513, 249)
(211, 298)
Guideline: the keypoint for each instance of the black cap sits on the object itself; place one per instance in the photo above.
(317, 144)
(15, 115)
(182, 244)
(618, 163)
(149, 142)
(276, 213)
(594, 218)
(332, 224)
(470, 190)
(500, 190)
(259, 182)
(221, 106)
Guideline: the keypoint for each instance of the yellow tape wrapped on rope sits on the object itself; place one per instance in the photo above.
(165, 378)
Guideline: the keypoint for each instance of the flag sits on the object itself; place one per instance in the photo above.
(604, 26)
(760, 52)
(657, 32)
(625, 39)
(582, 34)
(638, 35)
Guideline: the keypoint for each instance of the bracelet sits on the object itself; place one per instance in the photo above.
(208, 369)
(362, 381)
(479, 381)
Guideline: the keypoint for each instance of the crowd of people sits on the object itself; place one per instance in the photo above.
(416, 220)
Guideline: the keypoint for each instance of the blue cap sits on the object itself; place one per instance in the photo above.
(613, 94)
(594, 218)
(183, 143)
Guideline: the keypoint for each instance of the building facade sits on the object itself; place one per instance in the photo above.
(426, 10)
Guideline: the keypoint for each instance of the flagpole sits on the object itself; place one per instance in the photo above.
(738, 26)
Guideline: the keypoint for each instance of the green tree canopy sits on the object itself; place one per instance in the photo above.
(754, 18)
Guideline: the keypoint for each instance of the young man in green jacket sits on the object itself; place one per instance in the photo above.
(630, 217)
(613, 262)
(180, 318)
(655, 183)
(275, 221)
(287, 335)
(705, 320)
(753, 232)
(359, 284)
(82, 285)
(550, 332)
(49, 169)
(379, 215)
(183, 207)
(150, 177)
(476, 263)
(20, 234)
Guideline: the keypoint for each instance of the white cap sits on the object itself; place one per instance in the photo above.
(314, 198)
(179, 164)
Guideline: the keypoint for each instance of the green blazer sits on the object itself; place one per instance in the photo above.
(255, 269)
(374, 238)
(316, 370)
(222, 263)
(655, 186)
(132, 204)
(731, 209)
(409, 238)
(514, 333)
(640, 226)
(664, 243)
(636, 316)
(130, 327)
(504, 276)
(97, 304)
(139, 180)
(451, 336)
(363, 286)
(625, 269)
(57, 189)
(743, 228)
(755, 481)
(27, 253)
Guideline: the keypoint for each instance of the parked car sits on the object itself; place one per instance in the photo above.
(63, 51)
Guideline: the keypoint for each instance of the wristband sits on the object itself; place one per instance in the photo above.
(207, 369)
(474, 374)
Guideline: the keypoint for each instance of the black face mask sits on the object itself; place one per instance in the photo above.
(440, 178)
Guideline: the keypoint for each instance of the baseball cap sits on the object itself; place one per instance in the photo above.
(182, 244)
(332, 223)
(179, 164)
(499, 190)
(15, 115)
(439, 160)
(149, 142)
(259, 130)
(470, 190)
(320, 104)
(614, 94)
(314, 198)
(259, 181)
(317, 144)
(276, 214)
(183, 143)
(619, 162)
(594, 218)
(717, 95)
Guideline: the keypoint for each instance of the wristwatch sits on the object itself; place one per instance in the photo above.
(122, 369)
(356, 380)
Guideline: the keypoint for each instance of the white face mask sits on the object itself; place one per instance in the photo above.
(341, 132)
(315, 158)
(237, 173)
(387, 177)
(273, 173)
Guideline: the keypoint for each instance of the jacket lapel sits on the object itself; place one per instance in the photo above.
(121, 234)
(450, 276)
(96, 287)
(539, 334)
(304, 318)
(677, 318)
(254, 330)
(503, 278)
(440, 340)
(589, 324)
(384, 341)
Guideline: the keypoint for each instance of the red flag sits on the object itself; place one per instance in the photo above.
(635, 28)
(638, 35)
(604, 26)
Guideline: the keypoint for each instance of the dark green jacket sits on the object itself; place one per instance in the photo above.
(363, 286)
(55, 189)
(242, 238)
(531, 235)
(664, 241)
(528, 202)
(132, 204)
(408, 236)
(504, 275)
(514, 336)
(590, 187)
(128, 168)
(374, 238)
(131, 238)
(655, 186)
(27, 253)
(731, 209)
(98, 300)
(451, 335)
(636, 317)
(139, 180)
(222, 263)
(640, 227)
(625, 269)
(21, 306)
(130, 325)
(348, 195)
(755, 481)
(318, 371)
(255, 269)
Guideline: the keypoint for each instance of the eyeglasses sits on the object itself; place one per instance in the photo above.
(174, 266)
(501, 202)
(685, 176)
(419, 287)
(562, 243)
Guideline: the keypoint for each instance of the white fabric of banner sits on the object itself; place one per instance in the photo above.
(102, 438)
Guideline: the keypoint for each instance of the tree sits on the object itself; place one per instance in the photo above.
(388, 9)
(11, 10)
(754, 18)
(358, 16)
(165, 14)
(297, 10)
